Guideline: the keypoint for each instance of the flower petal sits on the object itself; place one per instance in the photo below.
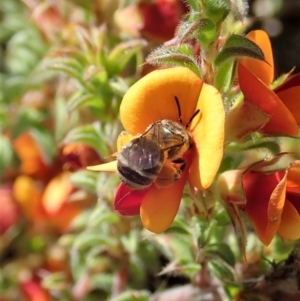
(208, 135)
(276, 207)
(230, 186)
(152, 98)
(259, 188)
(244, 119)
(123, 139)
(293, 178)
(160, 205)
(57, 192)
(290, 98)
(290, 222)
(110, 166)
(257, 93)
(263, 70)
(128, 201)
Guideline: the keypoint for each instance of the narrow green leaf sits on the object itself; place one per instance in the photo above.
(84, 179)
(181, 55)
(81, 100)
(60, 114)
(222, 251)
(225, 76)
(46, 142)
(6, 153)
(121, 54)
(132, 296)
(88, 134)
(217, 10)
(194, 5)
(205, 33)
(87, 240)
(221, 271)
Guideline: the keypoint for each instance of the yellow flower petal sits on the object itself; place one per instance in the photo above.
(110, 166)
(290, 222)
(208, 135)
(262, 70)
(123, 139)
(160, 206)
(57, 192)
(152, 98)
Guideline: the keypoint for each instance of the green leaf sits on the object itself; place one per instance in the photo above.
(46, 142)
(102, 281)
(180, 226)
(238, 46)
(221, 271)
(205, 33)
(84, 179)
(60, 113)
(175, 55)
(194, 5)
(217, 10)
(6, 153)
(82, 99)
(132, 296)
(88, 134)
(203, 30)
(222, 251)
(101, 214)
(86, 240)
(121, 54)
(225, 76)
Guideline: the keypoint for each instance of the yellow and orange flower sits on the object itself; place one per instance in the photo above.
(264, 108)
(53, 205)
(152, 99)
(271, 200)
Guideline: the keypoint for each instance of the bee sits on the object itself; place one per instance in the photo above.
(156, 154)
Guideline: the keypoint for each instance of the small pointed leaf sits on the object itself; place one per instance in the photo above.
(225, 76)
(206, 32)
(181, 55)
(238, 46)
(6, 153)
(217, 10)
(122, 53)
(222, 251)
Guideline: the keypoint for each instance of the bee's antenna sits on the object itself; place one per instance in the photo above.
(192, 117)
(179, 110)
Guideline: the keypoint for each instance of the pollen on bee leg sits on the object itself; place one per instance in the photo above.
(170, 173)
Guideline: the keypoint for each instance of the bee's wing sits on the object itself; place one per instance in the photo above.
(143, 153)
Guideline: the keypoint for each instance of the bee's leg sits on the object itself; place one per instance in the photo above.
(170, 173)
(180, 162)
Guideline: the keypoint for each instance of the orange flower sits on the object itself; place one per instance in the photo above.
(55, 205)
(33, 162)
(263, 108)
(272, 199)
(78, 155)
(152, 99)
